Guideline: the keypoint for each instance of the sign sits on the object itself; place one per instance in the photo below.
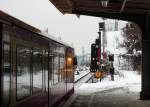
(101, 26)
(98, 74)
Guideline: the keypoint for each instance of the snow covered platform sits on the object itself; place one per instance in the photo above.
(116, 97)
(123, 92)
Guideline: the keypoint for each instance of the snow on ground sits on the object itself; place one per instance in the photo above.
(82, 71)
(124, 79)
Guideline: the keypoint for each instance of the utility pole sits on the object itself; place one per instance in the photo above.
(102, 29)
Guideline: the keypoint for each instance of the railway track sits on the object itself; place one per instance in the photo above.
(83, 79)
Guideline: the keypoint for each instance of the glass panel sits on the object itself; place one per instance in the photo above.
(37, 70)
(6, 75)
(6, 37)
(51, 69)
(62, 68)
(23, 71)
(56, 67)
(46, 70)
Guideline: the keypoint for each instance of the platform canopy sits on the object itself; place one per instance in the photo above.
(102, 7)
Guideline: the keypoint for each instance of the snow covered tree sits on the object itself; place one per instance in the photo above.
(132, 37)
(132, 41)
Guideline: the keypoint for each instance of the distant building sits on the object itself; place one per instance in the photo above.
(87, 59)
(114, 25)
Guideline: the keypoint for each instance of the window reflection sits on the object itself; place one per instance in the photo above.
(23, 71)
(56, 67)
(51, 69)
(45, 74)
(37, 70)
(6, 75)
(62, 68)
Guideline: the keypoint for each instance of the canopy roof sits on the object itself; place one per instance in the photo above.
(88, 7)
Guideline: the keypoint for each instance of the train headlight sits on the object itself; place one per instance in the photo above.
(69, 60)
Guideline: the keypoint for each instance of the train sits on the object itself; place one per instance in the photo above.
(37, 69)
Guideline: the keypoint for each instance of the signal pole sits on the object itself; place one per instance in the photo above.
(101, 28)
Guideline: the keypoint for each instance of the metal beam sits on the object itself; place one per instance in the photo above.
(123, 5)
(1, 62)
(71, 4)
(111, 15)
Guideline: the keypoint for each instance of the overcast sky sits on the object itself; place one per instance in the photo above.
(80, 32)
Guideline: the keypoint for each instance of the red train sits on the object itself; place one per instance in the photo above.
(36, 70)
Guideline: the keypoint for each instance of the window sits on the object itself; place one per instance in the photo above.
(23, 72)
(51, 69)
(62, 68)
(56, 68)
(45, 69)
(37, 70)
(6, 75)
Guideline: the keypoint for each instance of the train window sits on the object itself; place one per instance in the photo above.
(6, 75)
(59, 70)
(23, 72)
(37, 70)
(62, 68)
(45, 75)
(6, 37)
(7, 31)
(51, 69)
(56, 68)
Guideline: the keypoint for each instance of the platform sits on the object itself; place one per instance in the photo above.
(115, 97)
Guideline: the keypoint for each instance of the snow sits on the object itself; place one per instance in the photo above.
(124, 79)
(115, 38)
(83, 70)
(124, 91)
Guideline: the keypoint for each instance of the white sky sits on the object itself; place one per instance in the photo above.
(42, 14)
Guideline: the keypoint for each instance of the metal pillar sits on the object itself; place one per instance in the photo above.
(1, 45)
(145, 92)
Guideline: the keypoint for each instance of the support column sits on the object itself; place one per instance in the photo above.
(1, 45)
(145, 92)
